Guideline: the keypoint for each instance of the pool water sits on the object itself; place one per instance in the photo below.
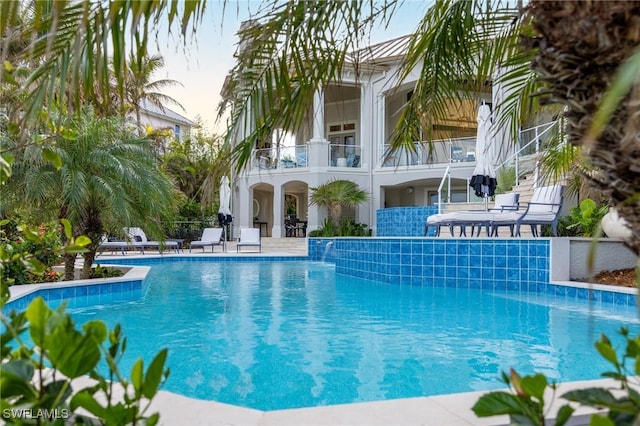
(275, 335)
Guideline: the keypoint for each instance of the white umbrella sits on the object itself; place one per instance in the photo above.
(224, 212)
(483, 181)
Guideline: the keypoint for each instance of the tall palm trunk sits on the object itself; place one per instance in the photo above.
(69, 266)
(578, 46)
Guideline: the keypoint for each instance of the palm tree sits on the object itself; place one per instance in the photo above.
(106, 179)
(336, 194)
(577, 48)
(462, 47)
(85, 45)
(139, 86)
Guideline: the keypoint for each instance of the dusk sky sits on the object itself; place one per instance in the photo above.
(201, 67)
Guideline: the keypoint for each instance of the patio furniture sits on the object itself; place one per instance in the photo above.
(137, 238)
(507, 202)
(502, 203)
(105, 244)
(543, 209)
(210, 237)
(249, 237)
(295, 227)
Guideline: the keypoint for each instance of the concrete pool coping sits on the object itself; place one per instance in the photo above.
(451, 409)
(440, 410)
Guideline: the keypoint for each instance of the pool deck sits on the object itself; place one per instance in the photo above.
(442, 410)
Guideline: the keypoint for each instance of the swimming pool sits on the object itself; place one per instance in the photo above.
(272, 335)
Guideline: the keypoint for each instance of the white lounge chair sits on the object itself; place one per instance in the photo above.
(210, 237)
(543, 209)
(249, 237)
(502, 203)
(138, 239)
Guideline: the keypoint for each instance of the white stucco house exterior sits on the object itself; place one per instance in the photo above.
(165, 119)
(345, 137)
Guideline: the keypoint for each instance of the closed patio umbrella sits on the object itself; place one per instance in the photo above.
(483, 181)
(224, 212)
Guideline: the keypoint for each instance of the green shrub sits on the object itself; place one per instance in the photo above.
(36, 374)
(347, 228)
(105, 272)
(38, 377)
(582, 220)
(42, 244)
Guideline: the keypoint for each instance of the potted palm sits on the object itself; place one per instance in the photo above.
(335, 195)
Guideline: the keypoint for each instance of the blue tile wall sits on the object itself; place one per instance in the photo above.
(404, 221)
(82, 295)
(495, 264)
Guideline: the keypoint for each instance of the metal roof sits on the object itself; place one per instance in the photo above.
(164, 112)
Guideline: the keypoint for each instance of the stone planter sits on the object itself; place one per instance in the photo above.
(615, 226)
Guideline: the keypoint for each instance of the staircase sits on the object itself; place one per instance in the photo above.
(284, 246)
(524, 188)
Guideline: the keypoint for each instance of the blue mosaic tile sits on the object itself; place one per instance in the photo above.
(487, 248)
(451, 248)
(462, 261)
(475, 273)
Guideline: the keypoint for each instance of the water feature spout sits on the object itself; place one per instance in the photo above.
(326, 250)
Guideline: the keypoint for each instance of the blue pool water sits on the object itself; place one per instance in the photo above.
(274, 335)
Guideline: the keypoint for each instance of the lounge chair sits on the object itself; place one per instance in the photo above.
(249, 237)
(502, 203)
(210, 237)
(543, 209)
(105, 244)
(138, 239)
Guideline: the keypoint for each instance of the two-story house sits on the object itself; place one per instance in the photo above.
(345, 136)
(165, 119)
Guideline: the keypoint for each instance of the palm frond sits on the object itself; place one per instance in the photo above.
(459, 47)
(287, 52)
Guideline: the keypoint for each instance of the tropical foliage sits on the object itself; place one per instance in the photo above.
(577, 65)
(84, 49)
(105, 179)
(40, 376)
(140, 86)
(583, 220)
(18, 243)
(337, 194)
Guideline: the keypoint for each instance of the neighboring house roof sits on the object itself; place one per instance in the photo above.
(165, 113)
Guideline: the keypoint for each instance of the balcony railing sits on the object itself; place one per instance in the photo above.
(439, 152)
(446, 151)
(284, 157)
(344, 155)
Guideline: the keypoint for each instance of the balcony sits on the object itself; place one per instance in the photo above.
(284, 157)
(439, 152)
(344, 155)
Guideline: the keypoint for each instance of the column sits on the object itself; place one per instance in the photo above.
(318, 145)
(318, 116)
(243, 207)
(278, 209)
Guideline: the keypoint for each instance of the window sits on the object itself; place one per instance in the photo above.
(176, 131)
